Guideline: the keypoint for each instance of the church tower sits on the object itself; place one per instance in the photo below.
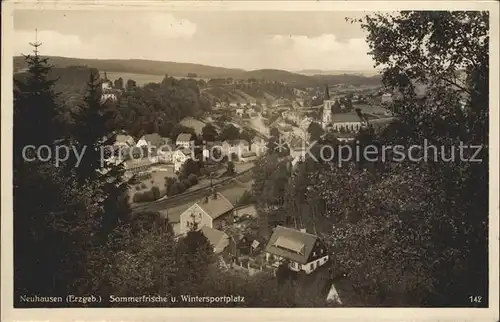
(106, 83)
(327, 109)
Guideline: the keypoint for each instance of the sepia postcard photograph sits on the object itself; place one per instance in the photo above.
(182, 155)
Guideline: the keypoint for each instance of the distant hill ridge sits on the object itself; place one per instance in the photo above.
(139, 66)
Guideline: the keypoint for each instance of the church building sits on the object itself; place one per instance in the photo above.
(327, 109)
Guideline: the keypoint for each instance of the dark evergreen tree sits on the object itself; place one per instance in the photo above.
(91, 133)
(315, 130)
(119, 83)
(194, 255)
(35, 107)
(209, 133)
(51, 215)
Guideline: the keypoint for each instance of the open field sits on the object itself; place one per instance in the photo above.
(193, 123)
(157, 179)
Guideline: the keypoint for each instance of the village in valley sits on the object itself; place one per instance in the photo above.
(217, 201)
(195, 164)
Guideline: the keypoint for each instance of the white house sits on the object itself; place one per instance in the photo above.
(300, 250)
(386, 98)
(213, 211)
(184, 140)
(233, 104)
(179, 157)
(138, 167)
(240, 111)
(108, 96)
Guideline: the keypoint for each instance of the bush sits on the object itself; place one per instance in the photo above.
(156, 192)
(245, 199)
(143, 186)
(137, 197)
(193, 179)
(148, 196)
(182, 187)
(174, 189)
(138, 187)
(152, 181)
(186, 183)
(230, 168)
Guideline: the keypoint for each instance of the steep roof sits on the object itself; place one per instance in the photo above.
(291, 244)
(124, 138)
(214, 236)
(215, 207)
(345, 117)
(154, 139)
(184, 137)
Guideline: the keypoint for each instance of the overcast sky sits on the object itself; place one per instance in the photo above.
(238, 39)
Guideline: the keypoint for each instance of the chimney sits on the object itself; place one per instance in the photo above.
(206, 199)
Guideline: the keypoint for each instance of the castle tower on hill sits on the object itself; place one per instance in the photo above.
(327, 109)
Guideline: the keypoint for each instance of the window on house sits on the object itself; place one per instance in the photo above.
(321, 251)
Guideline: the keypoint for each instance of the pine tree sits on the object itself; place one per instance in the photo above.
(194, 255)
(50, 213)
(35, 107)
(106, 180)
(90, 133)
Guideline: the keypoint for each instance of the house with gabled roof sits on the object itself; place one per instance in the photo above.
(184, 140)
(153, 140)
(179, 157)
(217, 238)
(213, 211)
(124, 140)
(300, 250)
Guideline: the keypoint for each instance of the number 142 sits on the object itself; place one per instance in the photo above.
(475, 299)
